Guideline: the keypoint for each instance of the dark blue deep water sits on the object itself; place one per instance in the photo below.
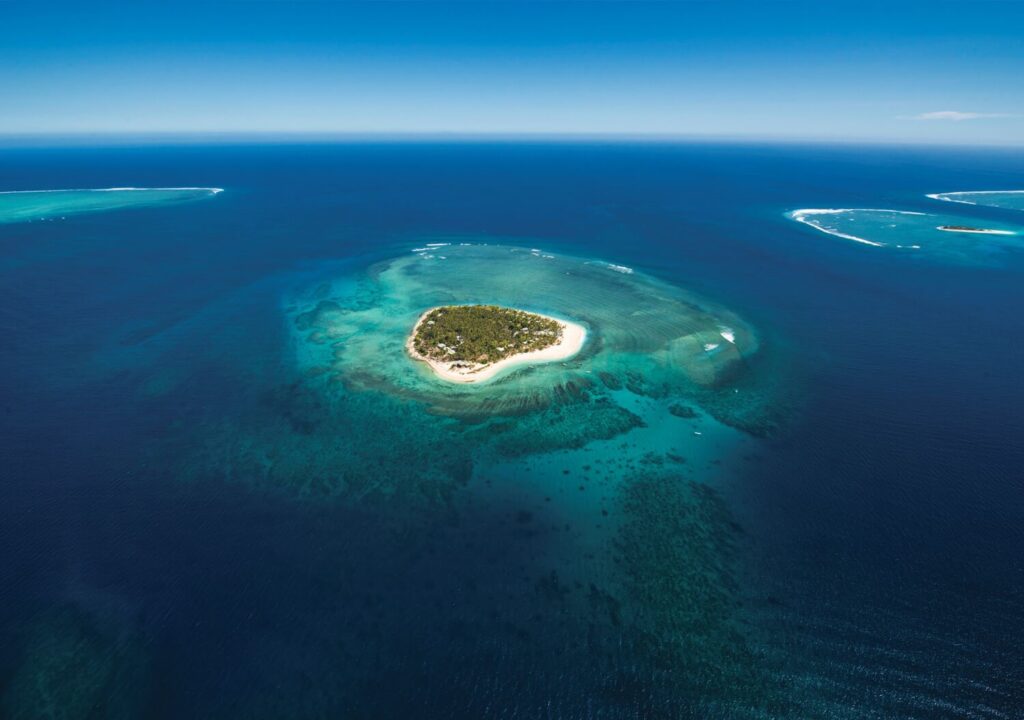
(867, 554)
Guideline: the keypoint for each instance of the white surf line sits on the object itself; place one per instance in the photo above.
(212, 190)
(623, 269)
(801, 216)
(947, 196)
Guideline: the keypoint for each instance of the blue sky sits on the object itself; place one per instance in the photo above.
(925, 72)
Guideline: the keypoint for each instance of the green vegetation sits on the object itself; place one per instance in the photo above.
(482, 334)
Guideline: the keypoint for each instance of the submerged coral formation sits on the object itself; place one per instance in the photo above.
(941, 237)
(361, 447)
(565, 425)
(558, 508)
(649, 336)
(676, 544)
(76, 666)
(365, 423)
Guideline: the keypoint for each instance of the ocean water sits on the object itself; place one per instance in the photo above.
(781, 480)
(958, 239)
(1009, 199)
(56, 204)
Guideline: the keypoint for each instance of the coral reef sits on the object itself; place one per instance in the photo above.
(77, 666)
(676, 545)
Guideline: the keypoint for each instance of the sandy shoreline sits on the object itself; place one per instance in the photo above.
(573, 337)
(976, 231)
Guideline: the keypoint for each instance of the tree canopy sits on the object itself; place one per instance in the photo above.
(482, 334)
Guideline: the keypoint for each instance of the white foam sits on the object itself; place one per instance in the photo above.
(728, 334)
(437, 244)
(620, 269)
(211, 190)
(804, 216)
(708, 347)
(949, 196)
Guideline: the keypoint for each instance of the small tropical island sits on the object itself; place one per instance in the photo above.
(968, 229)
(472, 343)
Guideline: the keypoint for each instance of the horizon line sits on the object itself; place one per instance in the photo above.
(198, 137)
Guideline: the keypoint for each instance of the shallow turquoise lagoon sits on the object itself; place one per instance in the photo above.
(641, 331)
(36, 205)
(546, 487)
(971, 240)
(780, 480)
(1006, 199)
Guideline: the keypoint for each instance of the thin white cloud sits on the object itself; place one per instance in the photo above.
(955, 115)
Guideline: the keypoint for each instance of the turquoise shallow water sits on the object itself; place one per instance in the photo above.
(29, 206)
(918, 233)
(781, 480)
(567, 465)
(649, 334)
(1008, 199)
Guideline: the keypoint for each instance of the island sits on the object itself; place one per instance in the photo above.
(472, 343)
(968, 229)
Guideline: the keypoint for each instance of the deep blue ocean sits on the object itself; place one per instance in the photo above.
(862, 559)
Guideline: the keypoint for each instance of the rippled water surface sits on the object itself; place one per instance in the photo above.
(781, 479)
(964, 239)
(1008, 199)
(49, 205)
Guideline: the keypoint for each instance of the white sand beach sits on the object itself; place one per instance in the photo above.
(573, 337)
(976, 231)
